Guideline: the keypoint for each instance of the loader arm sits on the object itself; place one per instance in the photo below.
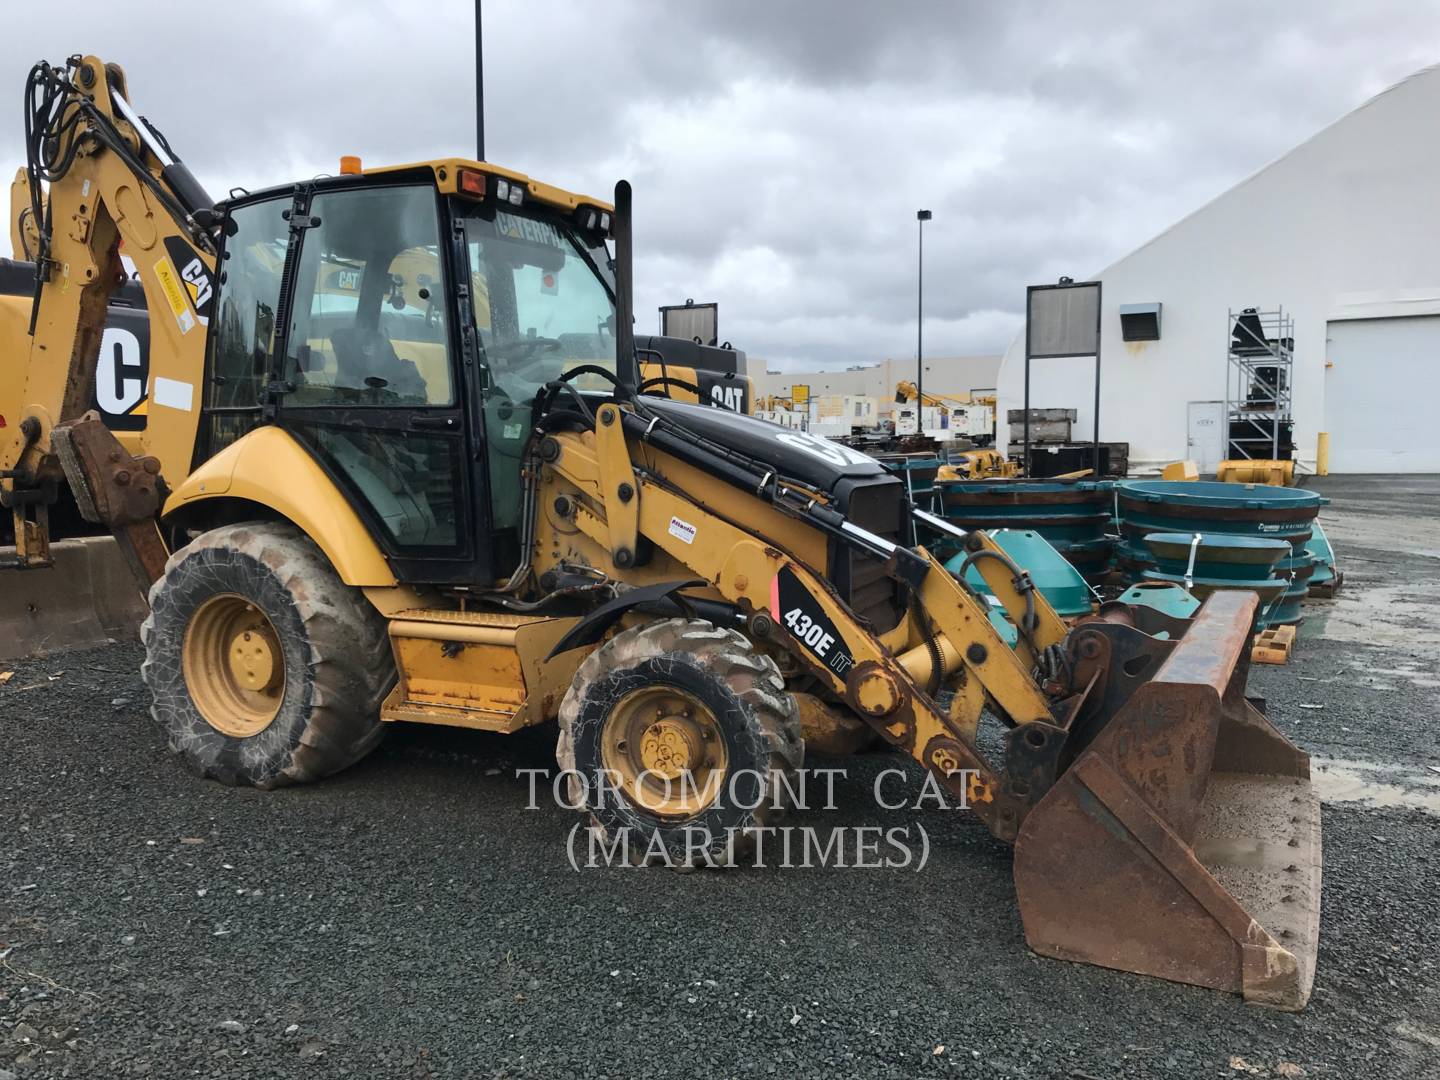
(1161, 824)
(98, 176)
(790, 603)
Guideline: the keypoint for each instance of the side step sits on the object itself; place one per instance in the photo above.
(476, 669)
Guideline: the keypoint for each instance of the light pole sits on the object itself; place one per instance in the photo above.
(479, 87)
(921, 216)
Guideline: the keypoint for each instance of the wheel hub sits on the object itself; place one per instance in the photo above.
(252, 660)
(664, 749)
(671, 746)
(233, 665)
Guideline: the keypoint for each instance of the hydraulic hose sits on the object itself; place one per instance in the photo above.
(1022, 584)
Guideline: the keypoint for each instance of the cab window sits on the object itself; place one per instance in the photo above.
(543, 304)
(243, 326)
(367, 375)
(368, 321)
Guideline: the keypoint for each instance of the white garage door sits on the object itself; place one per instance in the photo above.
(1381, 392)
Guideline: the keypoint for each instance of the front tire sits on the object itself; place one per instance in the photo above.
(264, 668)
(678, 734)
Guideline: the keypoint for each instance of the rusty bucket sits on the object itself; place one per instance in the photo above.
(1184, 840)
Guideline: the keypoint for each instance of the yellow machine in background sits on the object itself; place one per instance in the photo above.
(980, 464)
(442, 504)
(1180, 470)
(1246, 471)
(1237, 471)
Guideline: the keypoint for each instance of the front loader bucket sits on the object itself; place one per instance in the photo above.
(1184, 842)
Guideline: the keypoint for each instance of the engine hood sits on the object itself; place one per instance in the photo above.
(823, 464)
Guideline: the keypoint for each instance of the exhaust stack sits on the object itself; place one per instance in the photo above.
(627, 366)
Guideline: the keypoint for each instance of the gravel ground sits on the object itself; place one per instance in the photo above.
(413, 918)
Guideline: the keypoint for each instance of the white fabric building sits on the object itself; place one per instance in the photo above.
(1343, 232)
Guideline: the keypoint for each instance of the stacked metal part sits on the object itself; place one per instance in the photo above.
(1058, 581)
(1218, 509)
(1203, 563)
(1072, 515)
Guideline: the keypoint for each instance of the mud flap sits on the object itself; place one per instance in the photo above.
(1184, 842)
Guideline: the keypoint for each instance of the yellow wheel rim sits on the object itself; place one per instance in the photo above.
(233, 665)
(665, 751)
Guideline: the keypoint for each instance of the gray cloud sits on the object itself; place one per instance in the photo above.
(779, 150)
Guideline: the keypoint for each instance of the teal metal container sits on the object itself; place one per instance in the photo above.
(1217, 555)
(1131, 557)
(1270, 592)
(1003, 626)
(1210, 507)
(1058, 581)
(1296, 572)
(1206, 562)
(1072, 515)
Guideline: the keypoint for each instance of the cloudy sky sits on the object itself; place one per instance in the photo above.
(778, 149)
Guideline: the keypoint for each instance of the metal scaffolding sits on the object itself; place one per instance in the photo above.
(1258, 385)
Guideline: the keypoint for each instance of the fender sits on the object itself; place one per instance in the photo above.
(662, 598)
(247, 469)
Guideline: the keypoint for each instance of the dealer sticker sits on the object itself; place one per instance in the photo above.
(682, 530)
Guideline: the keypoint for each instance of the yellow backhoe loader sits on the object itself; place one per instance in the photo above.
(348, 511)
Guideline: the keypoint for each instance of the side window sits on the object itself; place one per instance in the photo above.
(411, 484)
(244, 322)
(368, 323)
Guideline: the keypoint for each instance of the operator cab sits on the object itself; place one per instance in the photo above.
(399, 323)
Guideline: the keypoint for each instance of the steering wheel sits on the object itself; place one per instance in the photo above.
(522, 353)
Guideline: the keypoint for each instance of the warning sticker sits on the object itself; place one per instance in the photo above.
(198, 282)
(174, 294)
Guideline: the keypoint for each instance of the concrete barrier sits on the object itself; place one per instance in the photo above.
(87, 598)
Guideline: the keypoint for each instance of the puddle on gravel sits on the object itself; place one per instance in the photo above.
(1380, 786)
(1398, 616)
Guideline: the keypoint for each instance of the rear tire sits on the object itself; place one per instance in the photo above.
(672, 696)
(265, 669)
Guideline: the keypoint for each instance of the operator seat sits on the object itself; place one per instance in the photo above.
(362, 353)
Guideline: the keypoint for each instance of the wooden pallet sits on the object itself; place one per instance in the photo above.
(1273, 646)
(1328, 590)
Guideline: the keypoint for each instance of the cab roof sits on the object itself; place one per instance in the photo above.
(447, 170)
(446, 173)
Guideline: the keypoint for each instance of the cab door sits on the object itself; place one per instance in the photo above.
(368, 380)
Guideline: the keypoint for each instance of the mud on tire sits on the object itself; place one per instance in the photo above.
(743, 691)
(337, 661)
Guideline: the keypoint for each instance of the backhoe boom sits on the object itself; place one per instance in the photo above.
(108, 180)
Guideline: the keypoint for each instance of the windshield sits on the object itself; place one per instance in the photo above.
(543, 301)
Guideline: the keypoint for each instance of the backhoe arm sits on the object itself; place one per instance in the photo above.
(98, 176)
